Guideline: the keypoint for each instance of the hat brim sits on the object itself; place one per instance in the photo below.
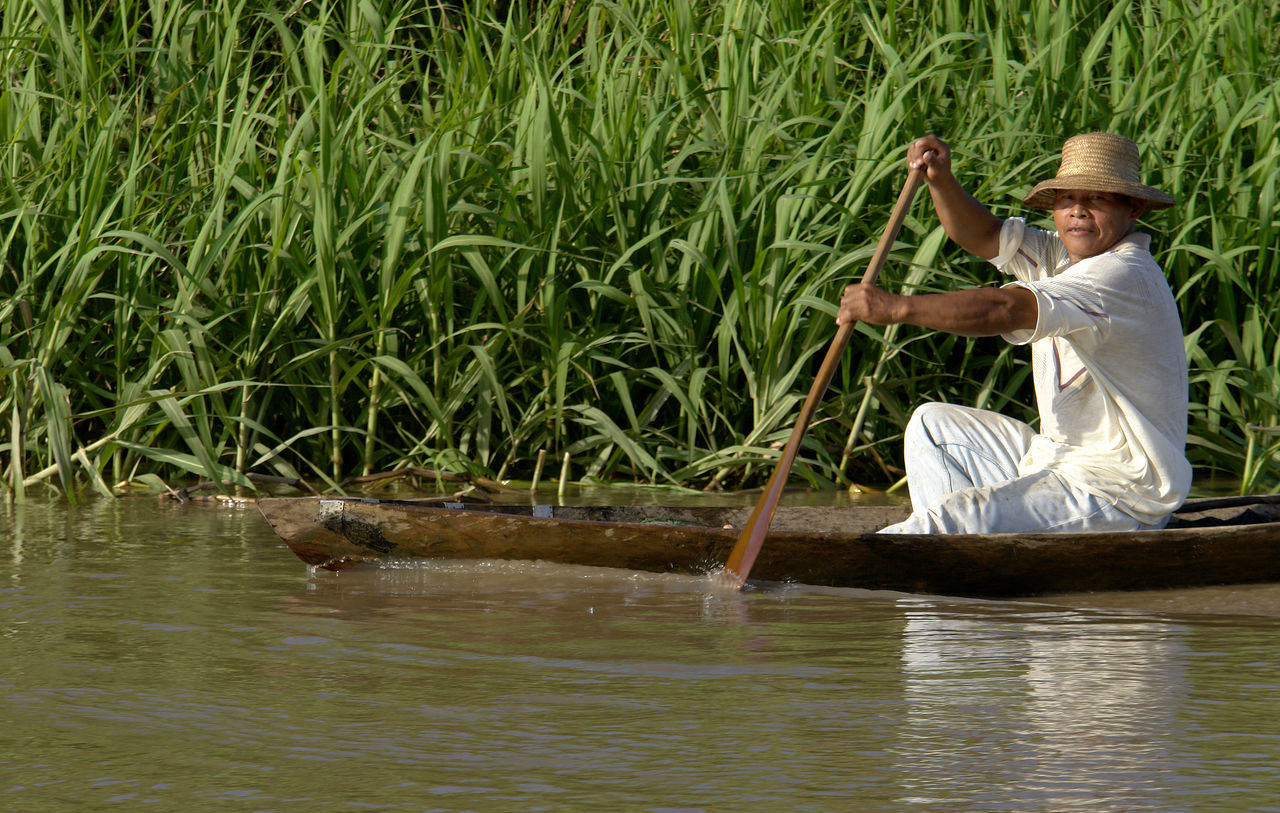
(1042, 195)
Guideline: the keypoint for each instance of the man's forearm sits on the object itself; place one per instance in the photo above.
(966, 221)
(972, 311)
(967, 312)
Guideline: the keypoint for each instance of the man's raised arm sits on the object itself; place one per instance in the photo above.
(966, 221)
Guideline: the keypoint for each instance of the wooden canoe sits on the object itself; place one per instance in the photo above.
(1211, 541)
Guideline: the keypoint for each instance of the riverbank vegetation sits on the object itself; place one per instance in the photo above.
(319, 240)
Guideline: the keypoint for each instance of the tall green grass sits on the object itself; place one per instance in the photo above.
(321, 239)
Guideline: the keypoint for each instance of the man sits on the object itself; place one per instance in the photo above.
(1108, 361)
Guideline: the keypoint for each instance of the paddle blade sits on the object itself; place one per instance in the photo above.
(754, 532)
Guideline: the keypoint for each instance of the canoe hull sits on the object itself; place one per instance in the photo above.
(813, 546)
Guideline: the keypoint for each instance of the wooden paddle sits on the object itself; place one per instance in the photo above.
(757, 527)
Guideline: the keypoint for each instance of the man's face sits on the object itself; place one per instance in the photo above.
(1090, 223)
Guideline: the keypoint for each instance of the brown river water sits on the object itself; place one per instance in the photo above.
(178, 657)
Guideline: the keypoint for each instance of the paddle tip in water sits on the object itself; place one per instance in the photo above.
(726, 580)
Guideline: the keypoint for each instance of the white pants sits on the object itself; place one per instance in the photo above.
(962, 471)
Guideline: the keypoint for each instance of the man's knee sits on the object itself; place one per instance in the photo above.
(927, 419)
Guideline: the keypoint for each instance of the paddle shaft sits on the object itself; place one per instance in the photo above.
(757, 528)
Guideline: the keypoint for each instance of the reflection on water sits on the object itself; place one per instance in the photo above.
(1093, 702)
(179, 656)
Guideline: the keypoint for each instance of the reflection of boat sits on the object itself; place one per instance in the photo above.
(1213, 541)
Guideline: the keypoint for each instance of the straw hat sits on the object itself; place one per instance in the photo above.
(1098, 162)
